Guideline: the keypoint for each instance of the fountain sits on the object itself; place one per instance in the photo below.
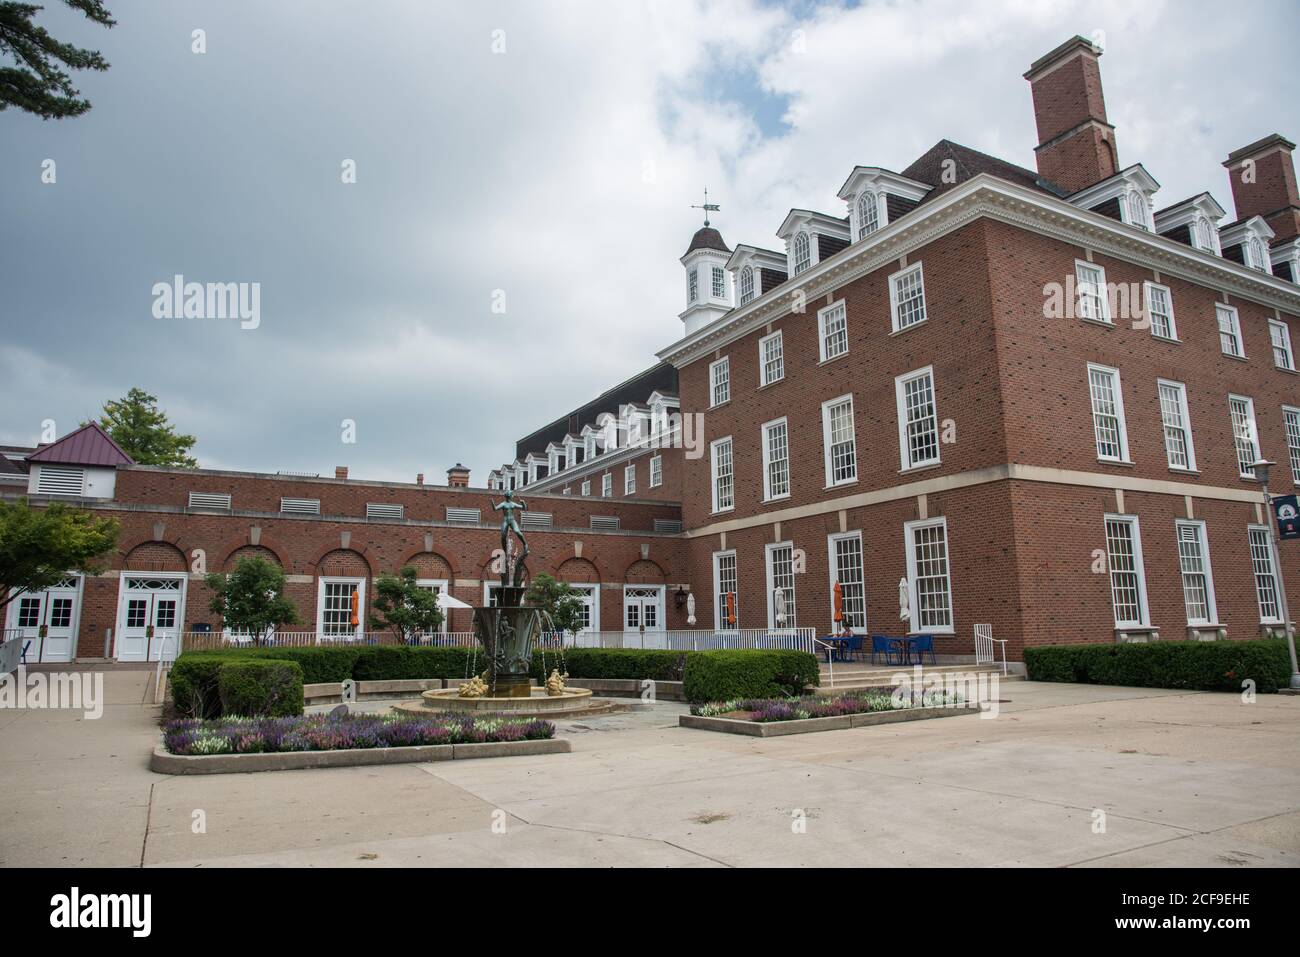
(506, 632)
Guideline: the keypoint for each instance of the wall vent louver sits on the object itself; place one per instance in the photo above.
(605, 523)
(213, 500)
(300, 506)
(385, 510)
(464, 516)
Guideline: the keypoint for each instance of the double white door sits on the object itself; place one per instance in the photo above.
(47, 621)
(150, 615)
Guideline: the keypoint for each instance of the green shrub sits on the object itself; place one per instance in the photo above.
(395, 662)
(260, 687)
(613, 663)
(723, 675)
(1194, 665)
(194, 684)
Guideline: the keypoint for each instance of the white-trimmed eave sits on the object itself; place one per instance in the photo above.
(608, 461)
(987, 196)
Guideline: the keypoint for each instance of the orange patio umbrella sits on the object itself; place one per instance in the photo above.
(731, 607)
(356, 607)
(839, 602)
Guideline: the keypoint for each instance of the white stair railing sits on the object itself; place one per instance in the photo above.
(984, 642)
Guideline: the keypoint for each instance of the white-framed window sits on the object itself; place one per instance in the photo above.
(907, 297)
(1291, 422)
(1261, 561)
(918, 422)
(1137, 210)
(656, 471)
(1245, 435)
(586, 486)
(868, 213)
(800, 253)
(1258, 255)
(1127, 577)
(746, 284)
(607, 485)
(1280, 335)
(720, 380)
(692, 284)
(839, 442)
(439, 586)
(1177, 422)
(724, 489)
(833, 330)
(588, 448)
(1108, 413)
(629, 479)
(719, 283)
(771, 358)
(1160, 310)
(1092, 301)
(846, 567)
(776, 460)
(334, 607)
(1229, 331)
(781, 612)
(724, 584)
(928, 577)
(589, 616)
(1198, 580)
(1205, 235)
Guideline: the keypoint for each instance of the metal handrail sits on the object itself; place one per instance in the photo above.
(830, 659)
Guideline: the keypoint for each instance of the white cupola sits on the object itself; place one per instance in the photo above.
(708, 285)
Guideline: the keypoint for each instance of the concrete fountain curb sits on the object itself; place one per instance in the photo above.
(773, 729)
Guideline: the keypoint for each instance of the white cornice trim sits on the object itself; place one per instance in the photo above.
(992, 198)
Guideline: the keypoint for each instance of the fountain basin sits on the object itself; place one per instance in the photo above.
(537, 704)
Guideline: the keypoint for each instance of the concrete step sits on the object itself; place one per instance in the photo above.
(885, 679)
(857, 669)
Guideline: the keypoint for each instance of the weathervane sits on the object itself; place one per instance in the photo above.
(707, 207)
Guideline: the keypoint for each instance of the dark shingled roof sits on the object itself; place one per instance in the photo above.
(929, 168)
(89, 445)
(706, 237)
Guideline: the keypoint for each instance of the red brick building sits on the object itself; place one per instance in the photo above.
(1032, 399)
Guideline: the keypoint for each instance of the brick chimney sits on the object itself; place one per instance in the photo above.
(1264, 184)
(1076, 146)
(419, 478)
(340, 471)
(458, 476)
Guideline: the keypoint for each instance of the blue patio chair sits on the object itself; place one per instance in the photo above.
(883, 645)
(922, 645)
(854, 649)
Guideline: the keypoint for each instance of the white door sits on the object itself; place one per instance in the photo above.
(643, 617)
(150, 613)
(55, 611)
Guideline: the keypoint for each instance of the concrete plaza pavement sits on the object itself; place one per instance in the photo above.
(1066, 775)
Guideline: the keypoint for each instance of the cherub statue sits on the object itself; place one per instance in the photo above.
(510, 522)
(476, 687)
(555, 683)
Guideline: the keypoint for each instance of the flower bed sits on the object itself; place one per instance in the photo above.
(770, 717)
(811, 706)
(319, 732)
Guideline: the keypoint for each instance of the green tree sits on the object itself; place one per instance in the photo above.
(39, 546)
(403, 606)
(251, 598)
(559, 600)
(141, 428)
(38, 83)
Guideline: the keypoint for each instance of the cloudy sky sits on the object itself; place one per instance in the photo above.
(549, 150)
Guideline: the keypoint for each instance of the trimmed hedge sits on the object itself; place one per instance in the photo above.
(614, 663)
(260, 688)
(1195, 665)
(721, 675)
(725, 675)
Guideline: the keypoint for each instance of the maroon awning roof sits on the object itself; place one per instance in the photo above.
(89, 445)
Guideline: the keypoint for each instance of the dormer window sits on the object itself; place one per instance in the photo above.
(1203, 234)
(746, 284)
(692, 286)
(589, 448)
(1258, 255)
(868, 214)
(1137, 211)
(800, 253)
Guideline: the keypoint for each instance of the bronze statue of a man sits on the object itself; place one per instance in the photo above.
(510, 522)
